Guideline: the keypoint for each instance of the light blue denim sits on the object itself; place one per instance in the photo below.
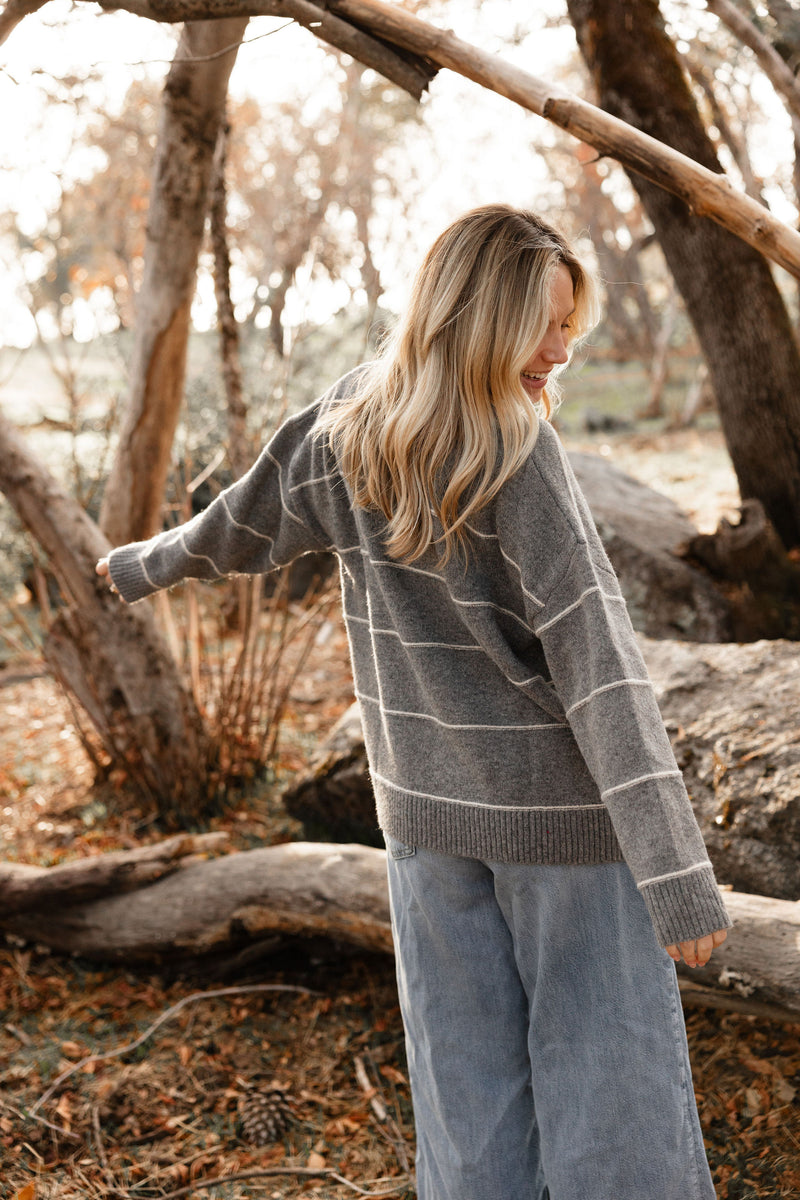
(546, 1045)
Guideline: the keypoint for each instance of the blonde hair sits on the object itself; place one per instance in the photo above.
(440, 421)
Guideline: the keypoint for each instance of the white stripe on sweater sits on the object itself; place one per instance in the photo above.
(201, 557)
(553, 808)
(284, 505)
(464, 603)
(152, 584)
(318, 479)
(240, 524)
(621, 787)
(418, 716)
(445, 646)
(608, 687)
(435, 645)
(576, 604)
(701, 866)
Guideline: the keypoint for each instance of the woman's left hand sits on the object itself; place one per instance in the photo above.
(697, 953)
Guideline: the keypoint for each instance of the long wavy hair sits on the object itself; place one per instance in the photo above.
(440, 420)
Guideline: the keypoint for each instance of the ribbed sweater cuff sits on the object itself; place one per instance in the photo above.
(127, 573)
(686, 906)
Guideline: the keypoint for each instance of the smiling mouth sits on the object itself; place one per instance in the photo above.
(530, 375)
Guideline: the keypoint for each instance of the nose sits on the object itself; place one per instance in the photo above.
(554, 347)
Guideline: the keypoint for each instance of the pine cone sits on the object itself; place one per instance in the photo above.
(265, 1116)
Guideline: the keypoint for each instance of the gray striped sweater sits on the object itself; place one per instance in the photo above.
(506, 707)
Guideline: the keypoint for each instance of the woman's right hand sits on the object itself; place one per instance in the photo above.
(697, 953)
(101, 568)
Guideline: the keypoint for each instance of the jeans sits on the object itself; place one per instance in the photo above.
(546, 1046)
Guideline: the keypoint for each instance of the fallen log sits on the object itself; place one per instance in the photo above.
(731, 713)
(757, 970)
(305, 889)
(24, 887)
(312, 890)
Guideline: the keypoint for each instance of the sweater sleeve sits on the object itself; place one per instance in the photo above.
(601, 678)
(254, 526)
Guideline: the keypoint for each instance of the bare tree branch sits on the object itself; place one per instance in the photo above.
(394, 31)
(706, 193)
(408, 70)
(773, 66)
(238, 451)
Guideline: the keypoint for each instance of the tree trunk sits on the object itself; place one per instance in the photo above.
(193, 111)
(240, 452)
(730, 295)
(107, 655)
(316, 890)
(659, 364)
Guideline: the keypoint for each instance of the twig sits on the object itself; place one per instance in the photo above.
(101, 1152)
(369, 1090)
(211, 995)
(387, 1127)
(266, 1172)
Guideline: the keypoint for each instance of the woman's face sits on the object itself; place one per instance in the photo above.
(552, 349)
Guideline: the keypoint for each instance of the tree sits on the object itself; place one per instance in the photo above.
(737, 311)
(192, 116)
(190, 151)
(403, 47)
(305, 189)
(110, 659)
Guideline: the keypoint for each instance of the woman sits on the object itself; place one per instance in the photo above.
(542, 851)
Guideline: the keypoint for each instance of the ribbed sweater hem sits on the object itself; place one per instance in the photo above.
(542, 835)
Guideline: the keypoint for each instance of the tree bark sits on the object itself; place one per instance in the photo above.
(239, 450)
(750, 348)
(108, 655)
(193, 110)
(338, 892)
(14, 12)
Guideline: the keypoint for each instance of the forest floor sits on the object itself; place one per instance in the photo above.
(165, 1119)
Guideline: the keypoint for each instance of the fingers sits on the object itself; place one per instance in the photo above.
(696, 953)
(101, 568)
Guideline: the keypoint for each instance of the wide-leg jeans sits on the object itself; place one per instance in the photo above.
(546, 1045)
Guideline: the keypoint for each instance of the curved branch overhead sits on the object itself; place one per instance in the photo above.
(394, 34)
